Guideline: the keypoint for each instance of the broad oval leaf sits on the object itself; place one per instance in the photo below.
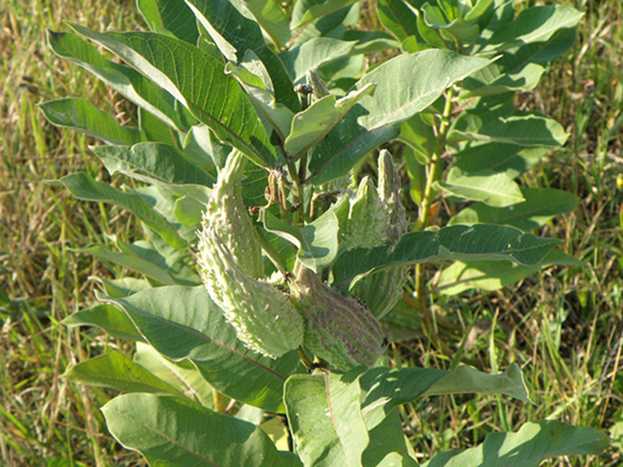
(536, 24)
(107, 317)
(182, 322)
(305, 11)
(223, 18)
(539, 206)
(197, 80)
(153, 163)
(117, 371)
(82, 116)
(173, 432)
(82, 186)
(325, 418)
(493, 275)
(533, 443)
(492, 189)
(511, 159)
(170, 16)
(423, 78)
(123, 79)
(478, 242)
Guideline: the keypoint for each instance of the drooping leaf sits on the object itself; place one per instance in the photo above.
(117, 371)
(533, 443)
(536, 24)
(388, 446)
(82, 186)
(317, 243)
(153, 163)
(171, 431)
(396, 16)
(325, 418)
(132, 261)
(155, 130)
(457, 242)
(182, 322)
(492, 189)
(241, 33)
(493, 275)
(107, 317)
(495, 80)
(310, 126)
(181, 375)
(123, 79)
(391, 388)
(376, 120)
(369, 41)
(526, 129)
(305, 11)
(313, 54)
(191, 75)
(539, 206)
(82, 116)
(511, 159)
(170, 16)
(123, 287)
(273, 20)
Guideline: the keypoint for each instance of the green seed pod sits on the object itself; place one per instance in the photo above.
(264, 317)
(381, 291)
(367, 219)
(229, 218)
(340, 330)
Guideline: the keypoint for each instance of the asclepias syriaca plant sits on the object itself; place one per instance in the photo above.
(266, 267)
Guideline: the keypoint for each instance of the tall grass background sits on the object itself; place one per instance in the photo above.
(563, 326)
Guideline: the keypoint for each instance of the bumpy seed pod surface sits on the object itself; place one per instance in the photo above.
(229, 218)
(367, 219)
(340, 330)
(381, 291)
(264, 317)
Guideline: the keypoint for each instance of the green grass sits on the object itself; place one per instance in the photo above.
(562, 326)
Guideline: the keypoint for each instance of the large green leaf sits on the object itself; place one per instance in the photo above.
(538, 207)
(493, 275)
(123, 79)
(196, 79)
(313, 54)
(457, 242)
(536, 24)
(391, 388)
(310, 126)
(305, 11)
(151, 163)
(492, 189)
(133, 261)
(388, 447)
(171, 431)
(172, 16)
(325, 418)
(396, 16)
(82, 186)
(273, 20)
(182, 322)
(181, 375)
(496, 79)
(222, 18)
(317, 243)
(376, 120)
(526, 129)
(511, 159)
(533, 443)
(117, 371)
(108, 317)
(82, 116)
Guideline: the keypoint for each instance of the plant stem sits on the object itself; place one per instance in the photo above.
(434, 174)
